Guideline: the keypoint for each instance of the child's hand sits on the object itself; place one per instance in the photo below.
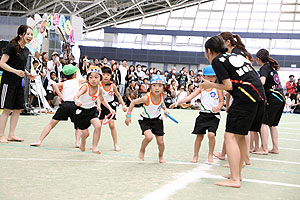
(124, 108)
(166, 111)
(215, 109)
(78, 103)
(174, 105)
(128, 121)
(112, 112)
(99, 110)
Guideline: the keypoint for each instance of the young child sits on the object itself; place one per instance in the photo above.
(109, 89)
(50, 92)
(86, 112)
(151, 121)
(67, 107)
(212, 100)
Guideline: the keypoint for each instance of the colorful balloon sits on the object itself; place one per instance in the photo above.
(68, 27)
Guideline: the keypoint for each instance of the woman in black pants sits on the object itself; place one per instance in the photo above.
(13, 63)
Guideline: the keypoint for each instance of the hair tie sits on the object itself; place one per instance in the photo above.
(223, 50)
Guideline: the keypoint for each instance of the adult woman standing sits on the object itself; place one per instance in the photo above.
(236, 75)
(13, 63)
(275, 100)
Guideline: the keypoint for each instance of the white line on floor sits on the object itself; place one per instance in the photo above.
(294, 140)
(272, 160)
(292, 149)
(288, 133)
(288, 128)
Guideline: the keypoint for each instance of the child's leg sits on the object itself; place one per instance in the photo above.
(264, 134)
(148, 138)
(197, 146)
(161, 148)
(247, 158)
(84, 135)
(14, 118)
(234, 158)
(222, 154)
(96, 136)
(274, 136)
(114, 136)
(3, 121)
(77, 137)
(45, 132)
(251, 148)
(254, 137)
(211, 142)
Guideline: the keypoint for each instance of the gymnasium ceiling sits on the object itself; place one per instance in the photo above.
(95, 13)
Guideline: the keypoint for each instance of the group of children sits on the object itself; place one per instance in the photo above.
(92, 101)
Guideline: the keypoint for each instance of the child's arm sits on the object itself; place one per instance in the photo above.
(120, 98)
(56, 87)
(104, 102)
(187, 98)
(141, 100)
(216, 109)
(81, 91)
(164, 107)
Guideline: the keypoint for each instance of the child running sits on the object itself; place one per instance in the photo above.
(67, 107)
(86, 112)
(151, 121)
(109, 90)
(212, 100)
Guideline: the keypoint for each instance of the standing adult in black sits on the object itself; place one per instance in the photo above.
(275, 100)
(13, 63)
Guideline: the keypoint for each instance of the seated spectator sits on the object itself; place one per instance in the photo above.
(173, 77)
(181, 93)
(131, 93)
(296, 105)
(196, 82)
(140, 73)
(183, 78)
(288, 103)
(191, 77)
(144, 87)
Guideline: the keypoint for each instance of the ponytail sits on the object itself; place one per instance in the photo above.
(264, 56)
(240, 45)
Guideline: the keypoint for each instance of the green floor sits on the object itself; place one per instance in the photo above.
(57, 170)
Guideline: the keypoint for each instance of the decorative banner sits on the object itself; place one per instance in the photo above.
(43, 27)
(62, 21)
(37, 18)
(55, 20)
(49, 22)
(30, 22)
(68, 27)
(35, 44)
(72, 36)
(35, 31)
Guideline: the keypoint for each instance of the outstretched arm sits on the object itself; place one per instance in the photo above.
(119, 98)
(56, 87)
(187, 98)
(81, 91)
(143, 100)
(225, 85)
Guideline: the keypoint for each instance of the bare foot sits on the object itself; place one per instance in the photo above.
(247, 162)
(274, 151)
(220, 156)
(3, 139)
(77, 145)
(82, 145)
(210, 159)
(261, 152)
(195, 159)
(251, 150)
(229, 183)
(162, 160)
(90, 148)
(97, 151)
(15, 139)
(36, 144)
(141, 155)
(228, 176)
(117, 148)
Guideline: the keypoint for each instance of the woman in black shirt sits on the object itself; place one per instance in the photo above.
(236, 75)
(275, 100)
(13, 63)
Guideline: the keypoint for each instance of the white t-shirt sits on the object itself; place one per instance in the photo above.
(182, 95)
(50, 68)
(123, 72)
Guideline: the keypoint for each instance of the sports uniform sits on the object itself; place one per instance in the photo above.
(109, 97)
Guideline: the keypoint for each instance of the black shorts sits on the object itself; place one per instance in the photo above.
(11, 97)
(242, 118)
(206, 121)
(273, 113)
(83, 117)
(50, 95)
(156, 125)
(105, 111)
(66, 109)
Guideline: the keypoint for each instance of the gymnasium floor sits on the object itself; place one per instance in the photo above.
(57, 170)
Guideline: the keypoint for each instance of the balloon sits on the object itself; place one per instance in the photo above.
(30, 22)
(37, 18)
(43, 27)
(49, 22)
(72, 36)
(62, 21)
(51, 19)
(55, 20)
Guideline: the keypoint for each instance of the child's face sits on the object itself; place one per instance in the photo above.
(35, 65)
(53, 76)
(157, 88)
(106, 77)
(210, 78)
(94, 79)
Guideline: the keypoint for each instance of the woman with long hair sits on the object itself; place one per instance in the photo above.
(13, 63)
(275, 100)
